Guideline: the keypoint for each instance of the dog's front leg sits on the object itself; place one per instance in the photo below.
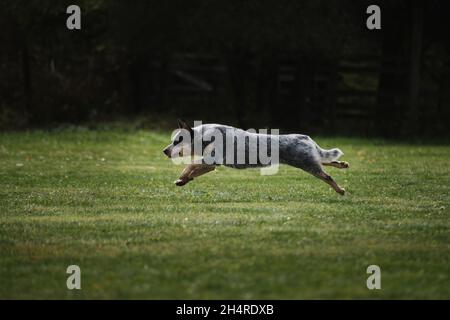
(192, 171)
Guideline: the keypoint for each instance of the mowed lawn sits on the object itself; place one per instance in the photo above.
(105, 201)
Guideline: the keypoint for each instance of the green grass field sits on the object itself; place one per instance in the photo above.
(105, 200)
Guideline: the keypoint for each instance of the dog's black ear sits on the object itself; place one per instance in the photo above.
(183, 125)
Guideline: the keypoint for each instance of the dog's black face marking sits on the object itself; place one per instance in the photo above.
(178, 140)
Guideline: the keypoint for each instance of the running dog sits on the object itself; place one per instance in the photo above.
(296, 150)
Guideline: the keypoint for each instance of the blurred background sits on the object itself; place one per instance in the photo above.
(301, 66)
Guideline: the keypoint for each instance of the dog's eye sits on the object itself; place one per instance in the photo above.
(178, 140)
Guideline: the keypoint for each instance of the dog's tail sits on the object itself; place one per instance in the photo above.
(326, 156)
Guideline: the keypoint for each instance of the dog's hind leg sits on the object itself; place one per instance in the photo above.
(337, 164)
(192, 171)
(329, 180)
(313, 167)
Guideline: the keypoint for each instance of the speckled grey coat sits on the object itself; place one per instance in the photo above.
(231, 147)
(296, 150)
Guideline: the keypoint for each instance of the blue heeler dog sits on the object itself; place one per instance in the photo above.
(296, 150)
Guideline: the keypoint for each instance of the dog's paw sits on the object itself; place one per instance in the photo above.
(180, 182)
(341, 191)
(345, 165)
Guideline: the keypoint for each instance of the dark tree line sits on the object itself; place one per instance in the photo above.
(296, 65)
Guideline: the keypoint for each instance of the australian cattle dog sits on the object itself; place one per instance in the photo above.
(296, 150)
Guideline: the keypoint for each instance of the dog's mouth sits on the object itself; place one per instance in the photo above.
(168, 153)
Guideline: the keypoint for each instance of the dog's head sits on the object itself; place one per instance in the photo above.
(182, 141)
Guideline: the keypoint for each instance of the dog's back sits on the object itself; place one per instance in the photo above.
(240, 149)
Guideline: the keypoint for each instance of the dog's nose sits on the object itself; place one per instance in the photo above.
(166, 152)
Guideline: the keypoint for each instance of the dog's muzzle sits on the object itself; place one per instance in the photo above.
(167, 152)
